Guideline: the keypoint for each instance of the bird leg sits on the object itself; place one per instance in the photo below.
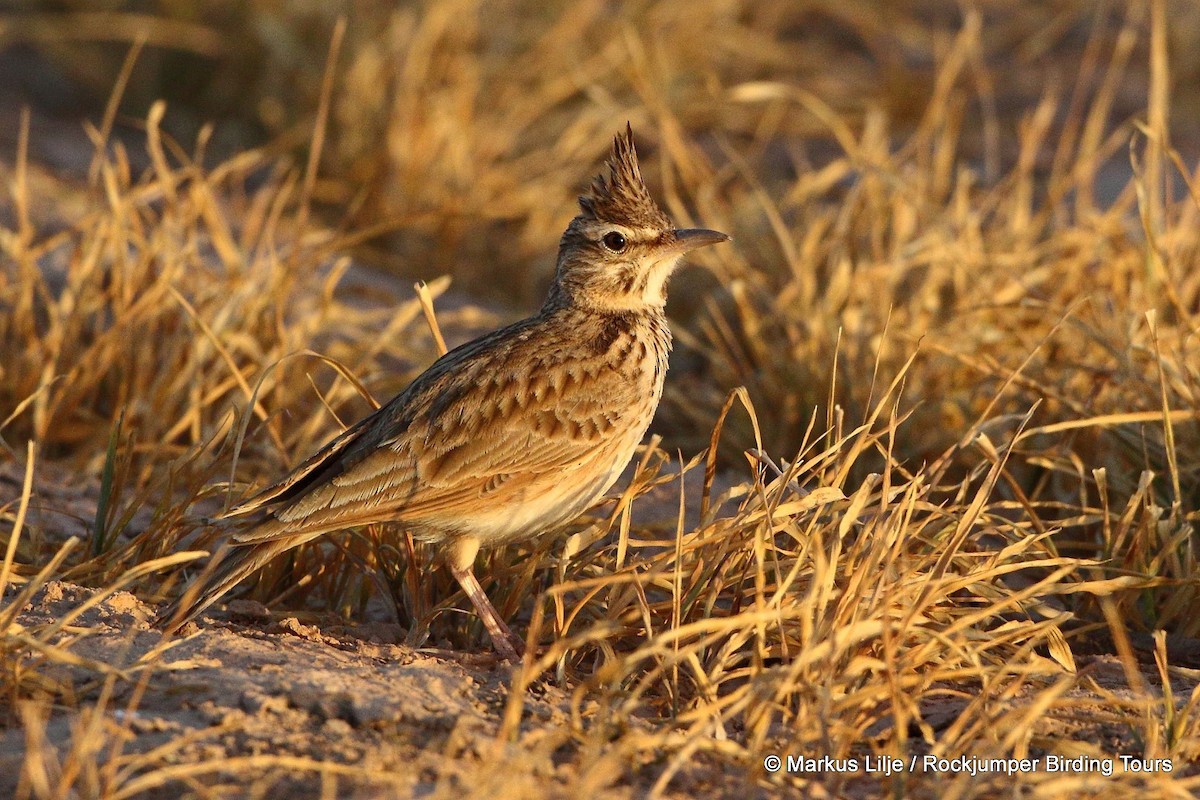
(462, 559)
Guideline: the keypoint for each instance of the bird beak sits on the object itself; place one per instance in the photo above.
(689, 239)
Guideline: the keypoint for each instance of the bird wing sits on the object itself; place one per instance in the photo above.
(485, 428)
(294, 482)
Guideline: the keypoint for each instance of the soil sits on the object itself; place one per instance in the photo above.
(399, 721)
(305, 697)
(331, 709)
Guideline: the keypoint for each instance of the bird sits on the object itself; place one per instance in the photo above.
(503, 438)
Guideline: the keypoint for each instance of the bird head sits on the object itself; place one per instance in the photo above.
(621, 249)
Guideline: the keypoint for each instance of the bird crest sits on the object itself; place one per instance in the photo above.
(621, 196)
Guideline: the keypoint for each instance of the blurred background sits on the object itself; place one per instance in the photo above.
(466, 126)
(959, 174)
(963, 300)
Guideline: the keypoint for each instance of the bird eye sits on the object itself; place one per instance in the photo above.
(614, 241)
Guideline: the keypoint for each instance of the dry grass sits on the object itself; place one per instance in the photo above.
(966, 460)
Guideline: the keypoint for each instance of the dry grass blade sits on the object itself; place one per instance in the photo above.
(924, 482)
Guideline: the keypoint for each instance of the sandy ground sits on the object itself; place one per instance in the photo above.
(275, 698)
(349, 695)
(241, 703)
(400, 722)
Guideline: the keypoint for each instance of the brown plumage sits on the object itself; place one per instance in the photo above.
(507, 436)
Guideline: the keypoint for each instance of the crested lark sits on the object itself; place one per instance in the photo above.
(507, 436)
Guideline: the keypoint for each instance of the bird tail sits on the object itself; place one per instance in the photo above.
(227, 568)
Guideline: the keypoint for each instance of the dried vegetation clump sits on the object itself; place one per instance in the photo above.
(951, 512)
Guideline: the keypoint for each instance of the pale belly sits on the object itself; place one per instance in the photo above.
(545, 507)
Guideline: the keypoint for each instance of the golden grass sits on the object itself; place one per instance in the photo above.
(966, 453)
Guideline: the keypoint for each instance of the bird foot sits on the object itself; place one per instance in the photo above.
(507, 644)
